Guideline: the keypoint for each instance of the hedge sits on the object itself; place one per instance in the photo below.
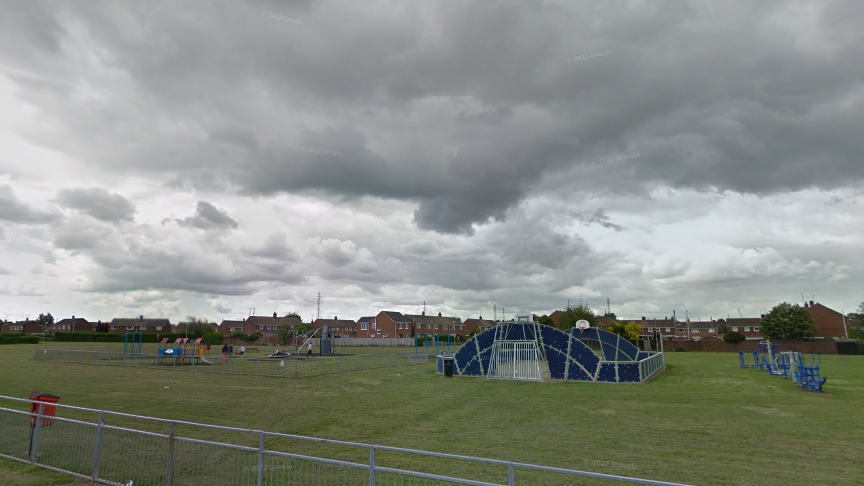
(22, 339)
(213, 338)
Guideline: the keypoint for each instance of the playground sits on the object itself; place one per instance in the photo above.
(805, 373)
(697, 423)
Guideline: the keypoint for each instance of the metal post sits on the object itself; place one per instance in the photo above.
(379, 360)
(361, 361)
(295, 368)
(372, 466)
(257, 367)
(169, 474)
(97, 453)
(511, 473)
(320, 367)
(34, 438)
(342, 364)
(261, 459)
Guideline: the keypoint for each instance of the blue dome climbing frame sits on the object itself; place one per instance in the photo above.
(591, 354)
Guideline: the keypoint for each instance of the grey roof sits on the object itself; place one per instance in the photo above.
(365, 319)
(140, 322)
(396, 316)
(446, 321)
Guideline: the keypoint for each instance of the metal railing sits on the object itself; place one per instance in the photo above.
(115, 454)
(288, 368)
(653, 364)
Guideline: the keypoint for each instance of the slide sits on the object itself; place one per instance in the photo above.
(204, 360)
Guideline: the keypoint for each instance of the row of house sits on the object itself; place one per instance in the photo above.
(829, 324)
(392, 324)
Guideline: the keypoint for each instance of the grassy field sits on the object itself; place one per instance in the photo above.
(704, 422)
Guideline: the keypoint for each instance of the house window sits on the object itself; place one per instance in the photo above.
(428, 326)
(364, 326)
(445, 328)
(712, 330)
(696, 330)
(436, 326)
(755, 329)
(746, 329)
(461, 328)
(650, 329)
(379, 331)
(681, 330)
(158, 328)
(735, 329)
(130, 328)
(668, 329)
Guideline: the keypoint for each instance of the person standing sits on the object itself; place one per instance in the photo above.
(309, 353)
(225, 352)
(242, 349)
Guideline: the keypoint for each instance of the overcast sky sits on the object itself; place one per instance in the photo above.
(204, 158)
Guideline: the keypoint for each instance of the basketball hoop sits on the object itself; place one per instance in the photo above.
(582, 324)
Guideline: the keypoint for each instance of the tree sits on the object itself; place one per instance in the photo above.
(721, 326)
(788, 322)
(546, 321)
(630, 330)
(611, 315)
(294, 314)
(733, 337)
(286, 334)
(574, 313)
(45, 321)
(195, 327)
(302, 329)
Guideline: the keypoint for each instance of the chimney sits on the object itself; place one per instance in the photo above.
(423, 313)
(805, 304)
(762, 316)
(481, 318)
(73, 316)
(439, 314)
(643, 318)
(335, 318)
(274, 314)
(140, 318)
(811, 303)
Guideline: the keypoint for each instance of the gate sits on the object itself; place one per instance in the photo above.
(515, 360)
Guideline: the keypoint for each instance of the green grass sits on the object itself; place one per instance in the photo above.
(706, 421)
(13, 473)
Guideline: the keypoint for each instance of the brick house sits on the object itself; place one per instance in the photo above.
(748, 326)
(75, 324)
(422, 325)
(269, 326)
(480, 324)
(387, 324)
(338, 327)
(146, 326)
(21, 327)
(829, 323)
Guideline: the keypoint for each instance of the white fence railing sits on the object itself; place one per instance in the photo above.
(179, 453)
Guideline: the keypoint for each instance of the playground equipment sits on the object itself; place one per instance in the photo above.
(130, 343)
(526, 350)
(183, 351)
(788, 364)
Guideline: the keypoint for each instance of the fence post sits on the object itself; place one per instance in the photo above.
(511, 475)
(261, 459)
(295, 368)
(379, 360)
(342, 364)
(321, 367)
(257, 367)
(372, 466)
(361, 361)
(34, 438)
(97, 452)
(169, 475)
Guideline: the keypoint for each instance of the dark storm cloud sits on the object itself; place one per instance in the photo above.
(732, 97)
(207, 216)
(15, 211)
(97, 202)
(597, 217)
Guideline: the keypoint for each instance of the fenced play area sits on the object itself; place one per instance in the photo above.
(526, 350)
(189, 356)
(788, 364)
(97, 449)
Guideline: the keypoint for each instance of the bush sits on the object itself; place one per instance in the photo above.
(19, 339)
(680, 350)
(733, 337)
(213, 338)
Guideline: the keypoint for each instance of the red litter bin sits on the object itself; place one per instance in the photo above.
(47, 410)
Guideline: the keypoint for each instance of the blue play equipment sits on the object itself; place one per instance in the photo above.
(527, 350)
(131, 343)
(183, 351)
(809, 377)
(788, 364)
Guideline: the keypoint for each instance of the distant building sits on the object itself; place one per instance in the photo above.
(147, 326)
(422, 325)
(337, 327)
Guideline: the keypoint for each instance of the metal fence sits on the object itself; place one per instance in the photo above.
(118, 453)
(288, 368)
(648, 367)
